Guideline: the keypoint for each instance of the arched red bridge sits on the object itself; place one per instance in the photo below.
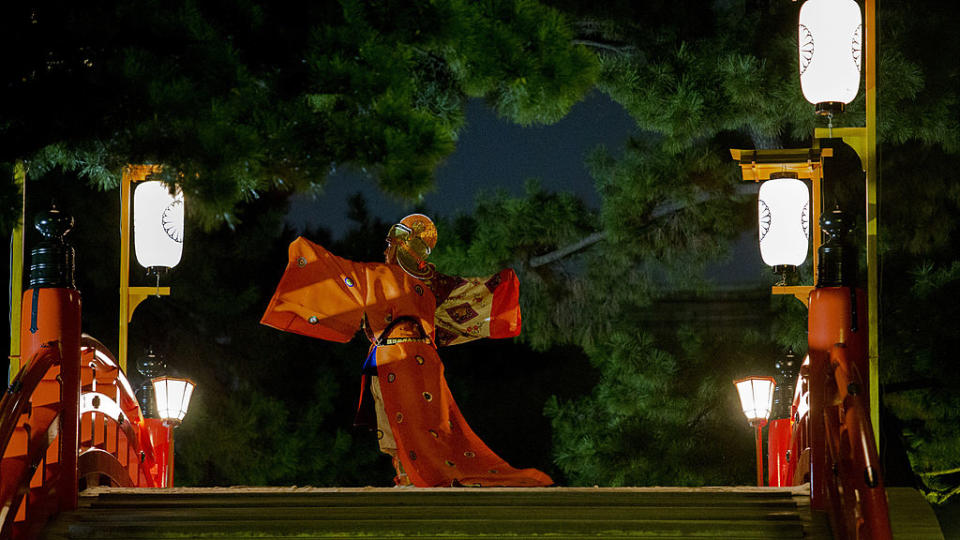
(70, 422)
(123, 473)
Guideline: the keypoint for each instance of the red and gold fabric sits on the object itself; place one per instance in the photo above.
(324, 296)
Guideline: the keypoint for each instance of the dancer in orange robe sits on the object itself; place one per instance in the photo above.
(407, 309)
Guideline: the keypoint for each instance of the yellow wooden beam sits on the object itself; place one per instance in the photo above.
(131, 174)
(855, 137)
(873, 173)
(758, 165)
(801, 292)
(139, 294)
(16, 273)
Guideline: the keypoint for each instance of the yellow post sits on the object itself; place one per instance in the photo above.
(864, 141)
(873, 297)
(130, 297)
(16, 273)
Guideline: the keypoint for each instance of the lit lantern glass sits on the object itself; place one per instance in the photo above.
(173, 398)
(756, 397)
(784, 221)
(157, 225)
(830, 38)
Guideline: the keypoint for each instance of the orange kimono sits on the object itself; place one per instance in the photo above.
(325, 296)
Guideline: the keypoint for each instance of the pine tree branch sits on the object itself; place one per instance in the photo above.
(943, 496)
(567, 250)
(619, 49)
(696, 420)
(941, 473)
(660, 211)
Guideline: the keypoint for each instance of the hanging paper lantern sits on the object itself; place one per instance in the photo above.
(830, 38)
(157, 225)
(784, 221)
(756, 397)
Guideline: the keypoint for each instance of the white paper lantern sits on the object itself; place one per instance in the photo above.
(157, 225)
(173, 398)
(830, 38)
(784, 221)
(756, 397)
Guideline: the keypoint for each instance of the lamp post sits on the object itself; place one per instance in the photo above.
(756, 398)
(16, 273)
(859, 48)
(163, 401)
(788, 217)
(172, 401)
(158, 228)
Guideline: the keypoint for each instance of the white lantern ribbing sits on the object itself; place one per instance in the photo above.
(830, 38)
(173, 398)
(756, 397)
(784, 221)
(157, 225)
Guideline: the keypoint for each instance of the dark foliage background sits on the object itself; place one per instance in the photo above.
(247, 102)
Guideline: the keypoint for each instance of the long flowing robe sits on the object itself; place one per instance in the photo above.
(324, 296)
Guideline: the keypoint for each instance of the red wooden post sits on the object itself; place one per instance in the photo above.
(778, 444)
(837, 315)
(51, 317)
(161, 437)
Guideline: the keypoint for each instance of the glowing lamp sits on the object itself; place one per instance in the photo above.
(830, 51)
(784, 220)
(157, 225)
(756, 397)
(173, 398)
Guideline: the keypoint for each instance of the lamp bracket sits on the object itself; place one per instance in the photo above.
(139, 173)
(806, 163)
(135, 295)
(800, 292)
(758, 165)
(855, 137)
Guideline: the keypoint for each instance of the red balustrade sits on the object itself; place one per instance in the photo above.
(832, 444)
(117, 446)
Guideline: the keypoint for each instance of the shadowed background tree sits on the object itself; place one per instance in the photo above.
(723, 77)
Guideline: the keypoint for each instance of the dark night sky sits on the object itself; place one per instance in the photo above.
(495, 154)
(490, 154)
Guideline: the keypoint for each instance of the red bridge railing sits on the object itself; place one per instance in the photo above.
(832, 445)
(855, 493)
(29, 429)
(118, 446)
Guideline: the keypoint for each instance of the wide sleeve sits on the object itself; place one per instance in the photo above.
(479, 308)
(319, 294)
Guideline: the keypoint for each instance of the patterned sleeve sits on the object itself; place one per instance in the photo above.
(319, 294)
(478, 308)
